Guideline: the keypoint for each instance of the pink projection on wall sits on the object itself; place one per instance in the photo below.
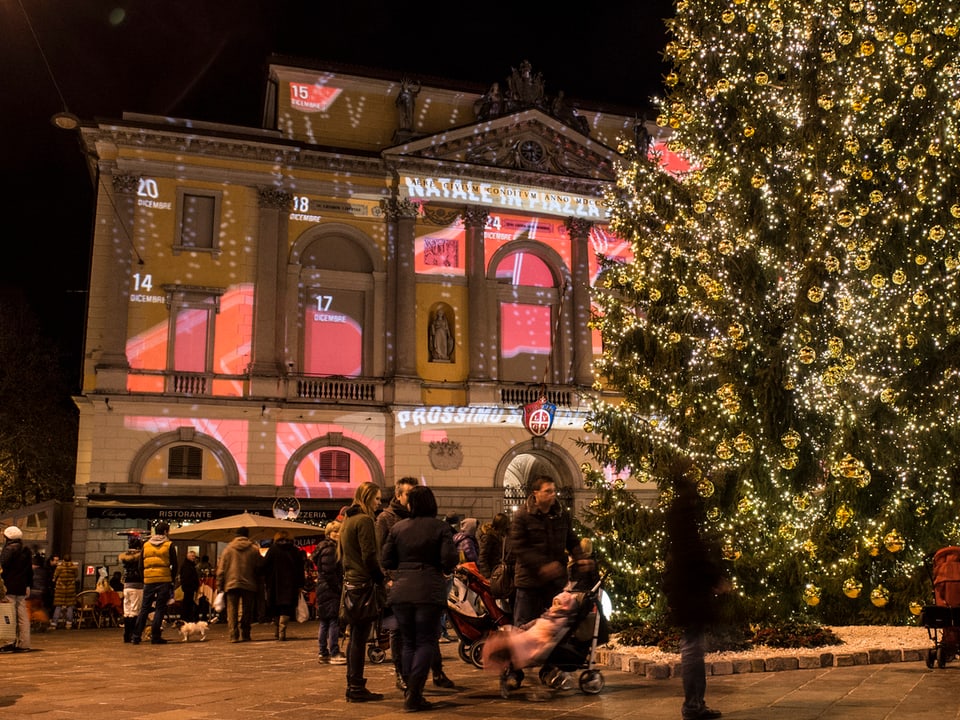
(232, 332)
(309, 481)
(333, 344)
(524, 329)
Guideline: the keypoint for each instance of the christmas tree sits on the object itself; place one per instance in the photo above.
(790, 320)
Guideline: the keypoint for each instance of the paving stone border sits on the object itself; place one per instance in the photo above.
(804, 660)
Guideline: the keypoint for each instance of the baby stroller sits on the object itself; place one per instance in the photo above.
(562, 640)
(942, 620)
(473, 611)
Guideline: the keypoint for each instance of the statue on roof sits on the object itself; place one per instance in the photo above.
(406, 99)
(525, 89)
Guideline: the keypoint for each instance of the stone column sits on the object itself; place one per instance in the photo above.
(265, 367)
(582, 345)
(113, 260)
(401, 309)
(478, 320)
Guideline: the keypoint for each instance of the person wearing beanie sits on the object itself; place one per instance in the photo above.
(159, 564)
(131, 560)
(17, 563)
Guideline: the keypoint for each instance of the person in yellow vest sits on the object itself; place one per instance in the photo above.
(159, 570)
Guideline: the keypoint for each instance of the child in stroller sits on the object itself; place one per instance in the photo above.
(942, 620)
(563, 639)
(473, 611)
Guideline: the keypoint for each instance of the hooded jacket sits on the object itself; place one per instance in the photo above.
(239, 565)
(466, 540)
(359, 548)
(159, 560)
(132, 574)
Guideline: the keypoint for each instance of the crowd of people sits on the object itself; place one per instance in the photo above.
(384, 568)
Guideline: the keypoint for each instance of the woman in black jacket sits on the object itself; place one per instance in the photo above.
(284, 571)
(419, 550)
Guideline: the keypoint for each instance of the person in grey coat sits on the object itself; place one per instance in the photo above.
(419, 551)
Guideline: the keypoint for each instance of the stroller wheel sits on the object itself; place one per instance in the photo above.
(476, 654)
(463, 650)
(591, 682)
(931, 658)
(376, 654)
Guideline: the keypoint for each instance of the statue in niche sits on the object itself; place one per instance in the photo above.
(440, 338)
(406, 99)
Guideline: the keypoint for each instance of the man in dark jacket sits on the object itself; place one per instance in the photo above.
(189, 585)
(17, 563)
(692, 582)
(541, 536)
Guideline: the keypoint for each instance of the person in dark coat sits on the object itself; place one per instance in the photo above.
(692, 581)
(492, 537)
(17, 563)
(189, 585)
(419, 552)
(541, 538)
(284, 572)
(329, 588)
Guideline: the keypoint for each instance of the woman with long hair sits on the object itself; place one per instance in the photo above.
(360, 557)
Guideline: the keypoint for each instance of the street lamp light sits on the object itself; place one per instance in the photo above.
(65, 120)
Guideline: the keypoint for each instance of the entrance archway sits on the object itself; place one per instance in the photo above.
(531, 459)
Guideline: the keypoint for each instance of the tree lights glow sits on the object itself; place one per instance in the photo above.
(790, 320)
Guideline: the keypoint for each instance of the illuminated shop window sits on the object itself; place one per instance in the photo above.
(198, 220)
(185, 462)
(528, 303)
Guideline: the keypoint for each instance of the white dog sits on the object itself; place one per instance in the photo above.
(194, 629)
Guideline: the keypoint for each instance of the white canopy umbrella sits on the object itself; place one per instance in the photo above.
(261, 527)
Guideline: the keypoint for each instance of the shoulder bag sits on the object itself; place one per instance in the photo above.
(501, 579)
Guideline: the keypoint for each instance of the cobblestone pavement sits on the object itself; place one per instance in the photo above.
(73, 674)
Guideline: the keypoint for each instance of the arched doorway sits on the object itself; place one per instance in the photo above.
(531, 459)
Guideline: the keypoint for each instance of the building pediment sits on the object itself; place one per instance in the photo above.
(529, 141)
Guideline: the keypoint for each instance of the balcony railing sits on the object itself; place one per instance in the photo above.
(349, 390)
(525, 394)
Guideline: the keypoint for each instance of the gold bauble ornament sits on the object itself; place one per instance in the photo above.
(835, 346)
(920, 259)
(758, 181)
(789, 462)
(787, 531)
(845, 37)
(807, 355)
(866, 48)
(743, 444)
(748, 131)
(643, 599)
(920, 298)
(776, 25)
(810, 547)
(728, 16)
(811, 595)
(879, 596)
(900, 38)
(876, 196)
(654, 294)
(815, 294)
(673, 337)
(730, 551)
(761, 78)
(872, 545)
(845, 218)
(723, 450)
(790, 439)
(862, 262)
(916, 607)
(705, 488)
(899, 277)
(744, 505)
(715, 348)
(937, 233)
(831, 263)
(825, 101)
(893, 541)
(713, 514)
(888, 396)
(878, 281)
(801, 502)
(911, 340)
(852, 588)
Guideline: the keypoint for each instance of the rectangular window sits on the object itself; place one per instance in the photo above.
(198, 214)
(185, 462)
(335, 466)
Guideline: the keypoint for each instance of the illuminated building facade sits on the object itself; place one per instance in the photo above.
(370, 286)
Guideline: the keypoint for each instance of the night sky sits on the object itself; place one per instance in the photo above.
(206, 60)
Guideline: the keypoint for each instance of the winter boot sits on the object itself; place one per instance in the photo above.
(128, 624)
(357, 692)
(282, 626)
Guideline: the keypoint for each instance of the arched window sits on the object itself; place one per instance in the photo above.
(337, 294)
(528, 301)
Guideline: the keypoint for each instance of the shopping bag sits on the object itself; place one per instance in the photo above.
(8, 623)
(303, 612)
(219, 602)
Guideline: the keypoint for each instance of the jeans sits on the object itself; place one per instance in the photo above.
(22, 609)
(329, 637)
(58, 612)
(239, 620)
(418, 632)
(693, 671)
(155, 597)
(530, 603)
